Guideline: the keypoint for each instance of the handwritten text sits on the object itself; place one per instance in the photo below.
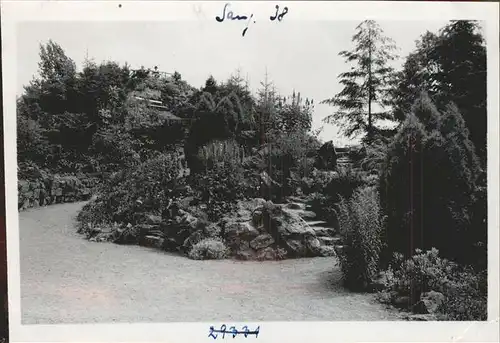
(232, 331)
(228, 14)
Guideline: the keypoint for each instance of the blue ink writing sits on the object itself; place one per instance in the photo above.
(233, 331)
(277, 15)
(230, 15)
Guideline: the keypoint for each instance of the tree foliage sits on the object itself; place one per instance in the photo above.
(451, 67)
(366, 84)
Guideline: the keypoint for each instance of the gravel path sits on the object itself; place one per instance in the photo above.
(66, 279)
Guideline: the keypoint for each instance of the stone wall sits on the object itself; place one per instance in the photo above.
(55, 190)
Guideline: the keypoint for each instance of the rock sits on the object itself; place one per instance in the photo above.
(313, 245)
(325, 240)
(257, 219)
(323, 231)
(401, 301)
(262, 241)
(244, 209)
(432, 301)
(186, 220)
(153, 241)
(23, 186)
(296, 206)
(153, 219)
(193, 239)
(239, 234)
(266, 254)
(326, 251)
(326, 156)
(210, 231)
(245, 255)
(296, 248)
(301, 213)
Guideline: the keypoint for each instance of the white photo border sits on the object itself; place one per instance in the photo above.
(15, 12)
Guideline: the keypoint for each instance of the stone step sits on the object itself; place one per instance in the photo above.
(316, 223)
(325, 250)
(322, 231)
(296, 206)
(303, 213)
(296, 199)
(338, 248)
(331, 241)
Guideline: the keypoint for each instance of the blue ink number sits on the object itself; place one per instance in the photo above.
(233, 331)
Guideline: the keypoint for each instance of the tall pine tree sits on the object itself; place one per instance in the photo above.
(368, 82)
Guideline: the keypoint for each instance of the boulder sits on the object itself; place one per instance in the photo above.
(245, 255)
(153, 219)
(327, 251)
(267, 254)
(239, 234)
(185, 220)
(313, 244)
(204, 231)
(245, 209)
(262, 241)
(326, 157)
(401, 301)
(270, 227)
(23, 186)
(296, 206)
(432, 301)
(301, 213)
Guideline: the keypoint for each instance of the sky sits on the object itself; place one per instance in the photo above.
(298, 55)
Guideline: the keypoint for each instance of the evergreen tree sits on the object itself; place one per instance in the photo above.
(367, 84)
(428, 184)
(451, 67)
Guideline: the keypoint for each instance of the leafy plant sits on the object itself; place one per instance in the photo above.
(209, 249)
(361, 228)
(464, 289)
(129, 194)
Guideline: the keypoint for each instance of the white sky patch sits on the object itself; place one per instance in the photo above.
(304, 57)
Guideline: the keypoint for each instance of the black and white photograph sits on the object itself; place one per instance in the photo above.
(251, 162)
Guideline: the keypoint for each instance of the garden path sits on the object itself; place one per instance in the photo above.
(67, 279)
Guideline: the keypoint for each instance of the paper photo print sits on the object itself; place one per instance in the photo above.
(219, 170)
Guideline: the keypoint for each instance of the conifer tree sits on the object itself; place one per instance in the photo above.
(366, 84)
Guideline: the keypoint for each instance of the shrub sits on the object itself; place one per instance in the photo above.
(223, 180)
(129, 194)
(464, 289)
(361, 226)
(221, 152)
(209, 249)
(344, 184)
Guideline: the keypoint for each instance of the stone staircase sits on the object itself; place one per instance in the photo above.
(327, 235)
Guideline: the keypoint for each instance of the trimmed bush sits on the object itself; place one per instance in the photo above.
(209, 249)
(428, 185)
(361, 226)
